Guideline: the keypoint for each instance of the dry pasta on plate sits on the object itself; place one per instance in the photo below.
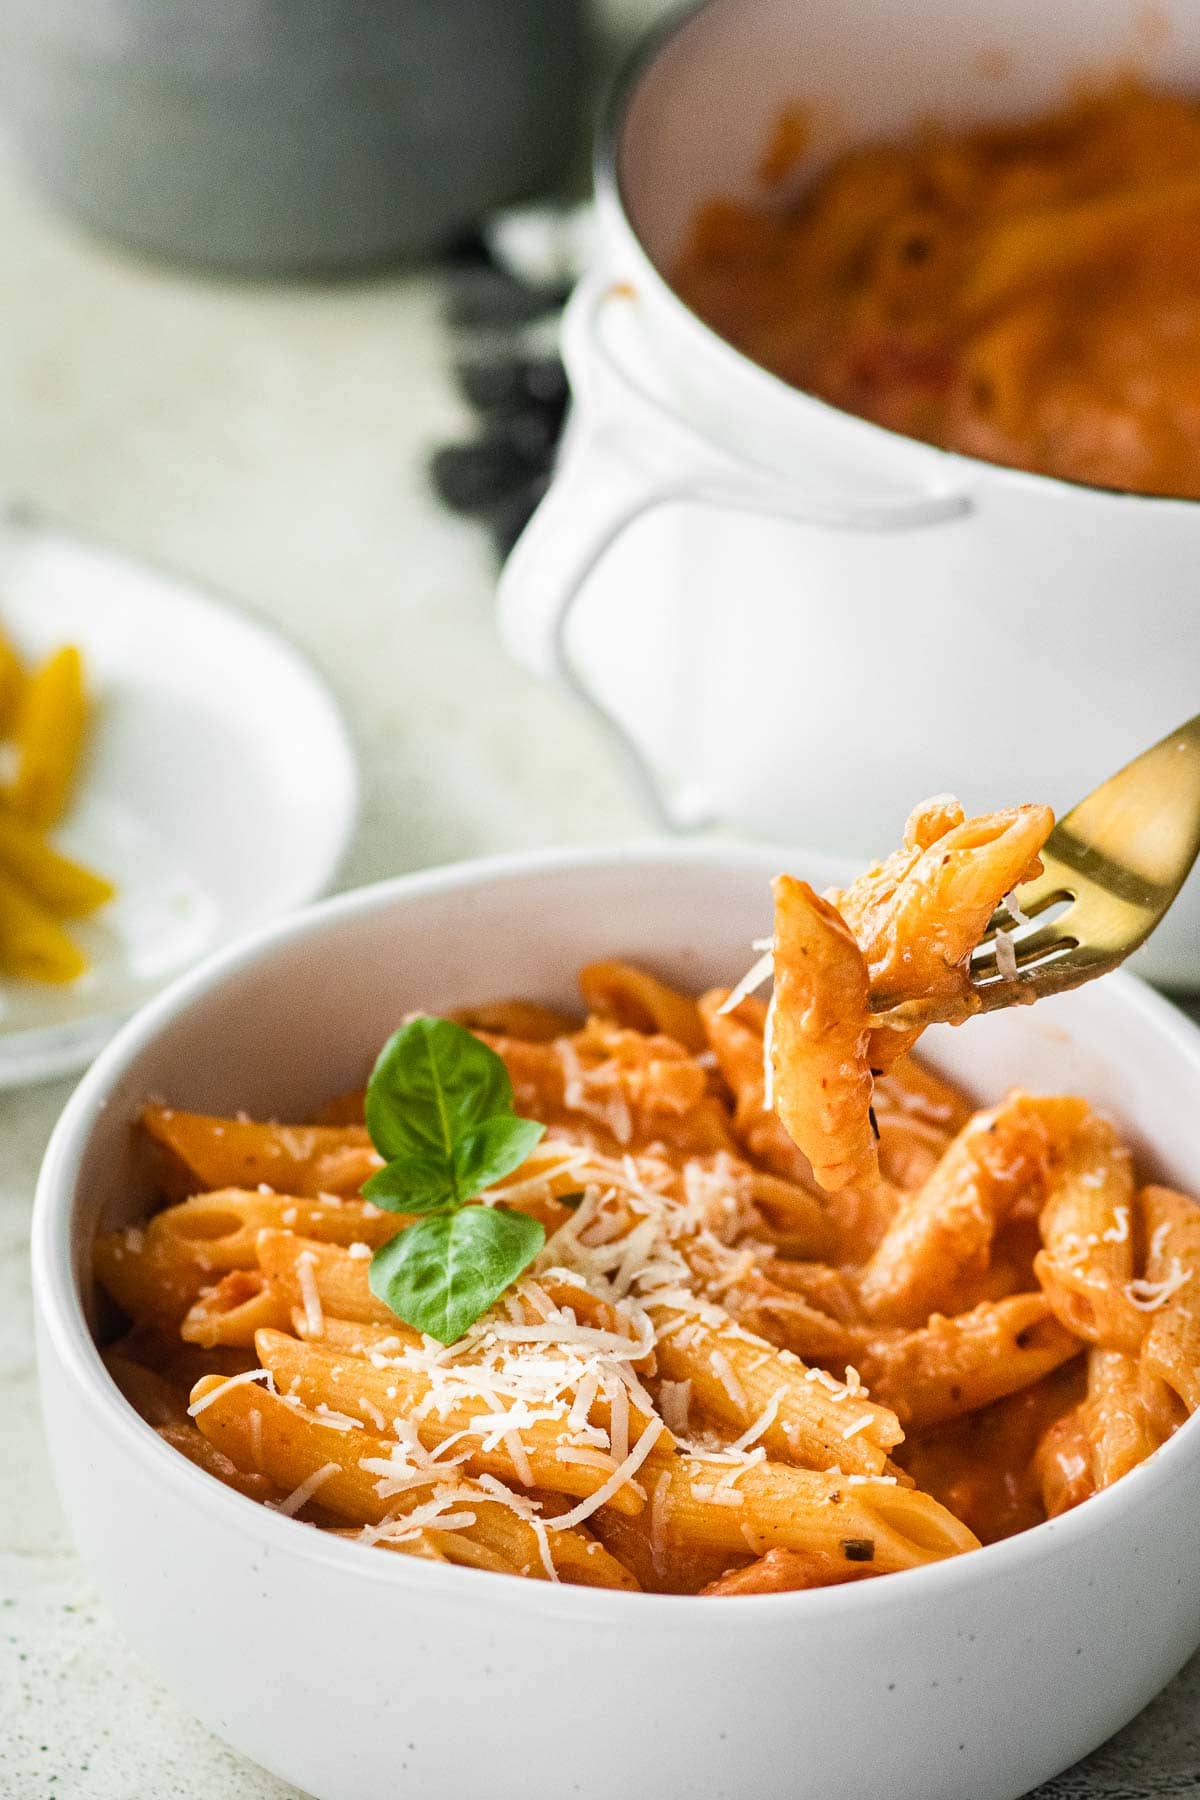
(700, 1295)
(43, 727)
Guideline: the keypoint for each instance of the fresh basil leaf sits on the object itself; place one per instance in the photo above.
(433, 1083)
(493, 1151)
(443, 1273)
(418, 1182)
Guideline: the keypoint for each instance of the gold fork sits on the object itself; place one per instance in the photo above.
(1119, 857)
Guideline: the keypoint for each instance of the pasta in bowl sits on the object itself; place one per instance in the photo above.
(703, 1703)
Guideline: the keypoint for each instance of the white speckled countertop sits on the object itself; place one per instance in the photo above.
(271, 442)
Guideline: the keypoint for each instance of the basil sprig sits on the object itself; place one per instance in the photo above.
(440, 1111)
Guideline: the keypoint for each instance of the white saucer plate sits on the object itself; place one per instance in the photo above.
(218, 790)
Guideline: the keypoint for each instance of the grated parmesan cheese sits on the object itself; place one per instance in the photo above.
(768, 1057)
(314, 1318)
(1006, 956)
(299, 1496)
(758, 973)
(615, 1482)
(763, 1423)
(1118, 1231)
(1148, 1296)
(723, 1370)
(232, 1381)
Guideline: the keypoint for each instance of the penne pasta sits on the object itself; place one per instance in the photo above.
(369, 1480)
(797, 1414)
(303, 1160)
(786, 1571)
(736, 1039)
(44, 715)
(819, 1037)
(1063, 1463)
(766, 1506)
(63, 887)
(1120, 1430)
(661, 1568)
(982, 1466)
(952, 1366)
(315, 1278)
(231, 1312)
(164, 1409)
(637, 1000)
(13, 680)
(160, 1272)
(33, 945)
(1168, 1293)
(643, 1350)
(940, 1240)
(1087, 1233)
(918, 916)
(364, 1390)
(1023, 292)
(523, 1019)
(616, 1090)
(49, 736)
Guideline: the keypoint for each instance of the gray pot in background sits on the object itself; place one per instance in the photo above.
(291, 135)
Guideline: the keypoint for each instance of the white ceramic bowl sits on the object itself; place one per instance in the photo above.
(738, 575)
(358, 1675)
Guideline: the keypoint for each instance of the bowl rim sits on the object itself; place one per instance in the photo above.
(609, 184)
(59, 1313)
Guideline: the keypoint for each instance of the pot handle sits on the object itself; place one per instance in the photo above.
(624, 454)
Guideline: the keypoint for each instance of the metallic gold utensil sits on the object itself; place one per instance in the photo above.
(1118, 858)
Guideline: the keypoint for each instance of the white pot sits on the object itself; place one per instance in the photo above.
(362, 1676)
(800, 623)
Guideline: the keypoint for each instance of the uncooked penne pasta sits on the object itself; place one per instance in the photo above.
(65, 888)
(33, 945)
(49, 735)
(13, 680)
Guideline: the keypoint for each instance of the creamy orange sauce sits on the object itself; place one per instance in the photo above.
(1027, 294)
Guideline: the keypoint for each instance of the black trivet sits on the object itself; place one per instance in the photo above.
(517, 389)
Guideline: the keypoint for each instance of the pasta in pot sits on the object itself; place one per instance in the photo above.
(1027, 293)
(738, 1364)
